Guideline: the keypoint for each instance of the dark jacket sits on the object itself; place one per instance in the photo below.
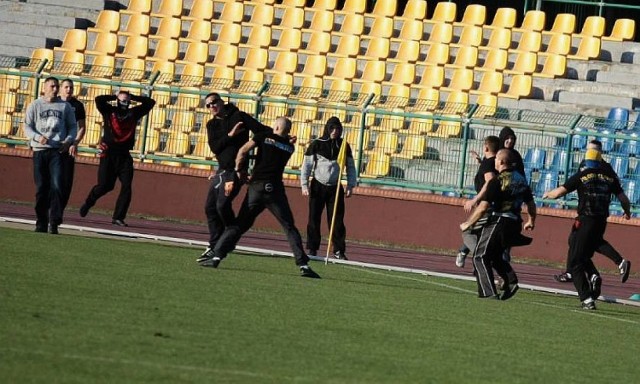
(120, 128)
(518, 163)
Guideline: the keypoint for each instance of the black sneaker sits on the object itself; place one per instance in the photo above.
(212, 262)
(41, 229)
(624, 268)
(306, 271)
(564, 277)
(340, 255)
(509, 291)
(53, 229)
(596, 286)
(206, 255)
(119, 223)
(589, 305)
(312, 252)
(84, 210)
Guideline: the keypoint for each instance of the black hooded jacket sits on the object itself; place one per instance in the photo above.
(518, 163)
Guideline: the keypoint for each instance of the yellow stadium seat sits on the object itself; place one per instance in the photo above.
(374, 71)
(222, 79)
(422, 124)
(261, 14)
(344, 68)
(530, 41)
(352, 25)
(533, 21)
(461, 80)
(495, 60)
(323, 5)
(291, 18)
(314, 66)
(285, 62)
(105, 43)
(403, 74)
(290, 40)
(503, 18)
(466, 57)
(588, 49)
(593, 26)
(377, 48)
(71, 63)
(181, 121)
(166, 69)
(438, 54)
(500, 38)
(525, 64)
(201, 148)
(366, 88)
(132, 69)
(38, 56)
(381, 27)
(386, 141)
(168, 8)
(414, 10)
(348, 46)
(196, 52)
(137, 25)
(229, 33)
(456, 103)
(564, 23)
(491, 83)
(138, 6)
(250, 81)
(383, 9)
(447, 128)
(75, 40)
(398, 97)
(224, 56)
(321, 21)
(353, 6)
(295, 162)
(440, 33)
(232, 12)
(474, 14)
(135, 47)
(554, 66)
(339, 90)
(623, 30)
(414, 146)
(487, 106)
(166, 50)
(444, 12)
(102, 66)
(199, 31)
(192, 75)
(520, 87)
(158, 115)
(408, 52)
(559, 44)
(378, 165)
(186, 101)
(410, 30)
(431, 77)
(280, 84)
(200, 10)
(471, 35)
(107, 21)
(169, 28)
(256, 58)
(319, 43)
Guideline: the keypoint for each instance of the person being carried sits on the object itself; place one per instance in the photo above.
(118, 138)
(265, 190)
(321, 163)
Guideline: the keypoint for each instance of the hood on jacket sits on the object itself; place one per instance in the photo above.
(504, 134)
(227, 110)
(331, 123)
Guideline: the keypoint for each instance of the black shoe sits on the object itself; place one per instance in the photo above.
(84, 210)
(306, 271)
(211, 263)
(564, 277)
(340, 255)
(206, 255)
(41, 229)
(53, 229)
(119, 223)
(596, 286)
(590, 306)
(509, 291)
(624, 268)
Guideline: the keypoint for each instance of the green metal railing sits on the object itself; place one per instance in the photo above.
(600, 5)
(405, 143)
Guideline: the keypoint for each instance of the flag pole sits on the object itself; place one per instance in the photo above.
(342, 158)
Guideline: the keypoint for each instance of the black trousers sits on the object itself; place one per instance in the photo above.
(320, 197)
(261, 195)
(68, 170)
(488, 254)
(604, 248)
(218, 207)
(114, 166)
(47, 176)
(586, 235)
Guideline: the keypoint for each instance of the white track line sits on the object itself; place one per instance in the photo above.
(270, 252)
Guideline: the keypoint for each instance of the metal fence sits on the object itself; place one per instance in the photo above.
(397, 142)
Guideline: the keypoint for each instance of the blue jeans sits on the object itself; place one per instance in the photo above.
(47, 175)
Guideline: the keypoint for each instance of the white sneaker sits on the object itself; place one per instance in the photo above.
(460, 259)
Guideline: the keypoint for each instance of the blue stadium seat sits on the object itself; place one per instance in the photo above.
(548, 180)
(620, 164)
(534, 159)
(608, 143)
(559, 161)
(579, 141)
(632, 190)
(631, 147)
(617, 119)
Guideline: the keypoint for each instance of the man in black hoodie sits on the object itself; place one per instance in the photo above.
(118, 138)
(508, 140)
(227, 131)
(321, 162)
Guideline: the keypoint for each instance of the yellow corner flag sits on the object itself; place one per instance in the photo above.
(342, 162)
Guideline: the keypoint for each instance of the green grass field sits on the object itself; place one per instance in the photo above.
(89, 310)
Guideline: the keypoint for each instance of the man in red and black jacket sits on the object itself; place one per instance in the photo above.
(118, 138)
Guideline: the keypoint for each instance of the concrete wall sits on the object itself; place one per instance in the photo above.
(374, 215)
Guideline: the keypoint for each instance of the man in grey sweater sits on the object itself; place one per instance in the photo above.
(50, 126)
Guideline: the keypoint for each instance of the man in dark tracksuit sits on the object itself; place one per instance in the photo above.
(595, 185)
(227, 131)
(265, 190)
(118, 138)
(505, 195)
(321, 162)
(604, 248)
(68, 158)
